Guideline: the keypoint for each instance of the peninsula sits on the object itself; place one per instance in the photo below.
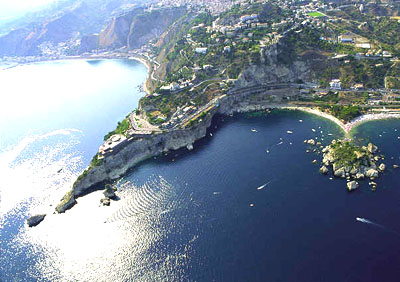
(240, 57)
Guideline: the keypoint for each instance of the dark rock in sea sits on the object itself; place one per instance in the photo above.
(105, 201)
(372, 148)
(67, 202)
(352, 185)
(324, 170)
(35, 220)
(109, 192)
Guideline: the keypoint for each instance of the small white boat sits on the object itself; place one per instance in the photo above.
(289, 132)
(362, 220)
(211, 134)
(263, 186)
(254, 130)
(300, 120)
(280, 143)
(313, 130)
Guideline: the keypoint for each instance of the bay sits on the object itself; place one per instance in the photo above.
(246, 204)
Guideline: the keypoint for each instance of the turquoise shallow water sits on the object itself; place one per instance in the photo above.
(246, 204)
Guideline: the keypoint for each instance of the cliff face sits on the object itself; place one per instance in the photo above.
(136, 28)
(134, 152)
(151, 25)
(115, 166)
(273, 70)
(115, 35)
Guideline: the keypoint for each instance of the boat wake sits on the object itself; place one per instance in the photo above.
(366, 221)
(263, 186)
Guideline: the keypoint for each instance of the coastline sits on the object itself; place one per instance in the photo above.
(138, 150)
(347, 127)
(321, 114)
(146, 63)
(135, 57)
(370, 117)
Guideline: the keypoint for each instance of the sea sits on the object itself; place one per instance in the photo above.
(246, 204)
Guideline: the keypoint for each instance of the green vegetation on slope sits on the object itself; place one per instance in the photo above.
(122, 128)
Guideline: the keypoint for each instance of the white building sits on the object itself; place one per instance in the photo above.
(201, 50)
(346, 39)
(335, 84)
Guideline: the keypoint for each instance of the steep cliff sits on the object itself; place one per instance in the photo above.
(137, 27)
(115, 34)
(150, 26)
(274, 67)
(138, 150)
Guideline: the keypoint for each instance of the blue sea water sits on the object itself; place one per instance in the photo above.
(246, 204)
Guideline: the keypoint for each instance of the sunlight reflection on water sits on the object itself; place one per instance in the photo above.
(89, 240)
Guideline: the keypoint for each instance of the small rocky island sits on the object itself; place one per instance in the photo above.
(35, 220)
(350, 161)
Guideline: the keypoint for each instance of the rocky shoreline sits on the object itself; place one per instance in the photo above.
(351, 162)
(139, 149)
(155, 144)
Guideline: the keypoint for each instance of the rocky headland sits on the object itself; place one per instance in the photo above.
(139, 148)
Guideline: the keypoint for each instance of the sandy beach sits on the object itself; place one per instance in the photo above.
(350, 125)
(147, 64)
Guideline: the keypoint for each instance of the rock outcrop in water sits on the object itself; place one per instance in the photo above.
(35, 220)
(67, 202)
(351, 162)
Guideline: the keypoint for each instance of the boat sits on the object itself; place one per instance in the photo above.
(254, 130)
(289, 132)
(263, 186)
